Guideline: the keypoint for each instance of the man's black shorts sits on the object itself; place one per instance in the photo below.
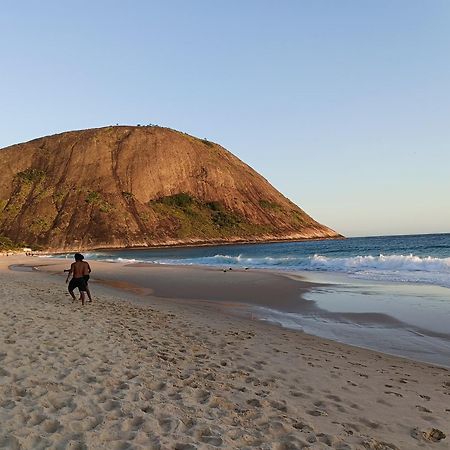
(79, 283)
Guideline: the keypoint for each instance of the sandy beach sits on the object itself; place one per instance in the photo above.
(171, 367)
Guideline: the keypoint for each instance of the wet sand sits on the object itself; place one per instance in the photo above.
(166, 373)
(345, 312)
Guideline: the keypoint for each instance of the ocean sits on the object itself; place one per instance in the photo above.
(420, 259)
(388, 293)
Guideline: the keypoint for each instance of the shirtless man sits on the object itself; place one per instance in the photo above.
(79, 269)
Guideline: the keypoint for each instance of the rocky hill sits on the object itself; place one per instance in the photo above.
(129, 186)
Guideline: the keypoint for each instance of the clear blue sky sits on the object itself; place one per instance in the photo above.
(344, 106)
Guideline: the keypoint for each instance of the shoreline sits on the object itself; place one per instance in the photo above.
(215, 243)
(175, 245)
(288, 300)
(176, 374)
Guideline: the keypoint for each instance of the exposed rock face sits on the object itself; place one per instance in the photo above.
(139, 186)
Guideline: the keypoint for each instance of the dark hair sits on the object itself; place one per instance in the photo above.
(78, 257)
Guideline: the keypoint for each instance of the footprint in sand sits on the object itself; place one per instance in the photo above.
(146, 394)
(181, 446)
(76, 445)
(397, 394)
(8, 404)
(36, 419)
(349, 428)
(430, 435)
(280, 405)
(423, 409)
(302, 426)
(298, 394)
(60, 401)
(35, 441)
(334, 397)
(147, 409)
(90, 423)
(50, 426)
(169, 424)
(202, 396)
(254, 402)
(210, 376)
(253, 380)
(317, 412)
(124, 445)
(289, 445)
(210, 437)
(159, 386)
(326, 439)
(370, 424)
(133, 424)
(175, 395)
(111, 405)
(372, 443)
(9, 442)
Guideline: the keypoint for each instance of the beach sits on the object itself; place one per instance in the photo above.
(183, 364)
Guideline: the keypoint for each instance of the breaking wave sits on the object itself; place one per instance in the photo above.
(396, 268)
(382, 262)
(319, 262)
(417, 259)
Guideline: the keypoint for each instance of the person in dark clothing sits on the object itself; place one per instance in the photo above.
(79, 269)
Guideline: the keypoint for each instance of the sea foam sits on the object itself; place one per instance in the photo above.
(396, 268)
(409, 268)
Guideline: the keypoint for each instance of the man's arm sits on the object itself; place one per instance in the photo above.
(85, 270)
(70, 272)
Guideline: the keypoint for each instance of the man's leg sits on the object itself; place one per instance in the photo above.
(88, 292)
(82, 293)
(72, 295)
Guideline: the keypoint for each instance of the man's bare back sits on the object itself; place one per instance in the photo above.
(80, 274)
(79, 269)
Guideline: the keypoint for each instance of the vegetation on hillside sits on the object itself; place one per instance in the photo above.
(189, 216)
(96, 199)
(7, 245)
(31, 175)
(266, 204)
